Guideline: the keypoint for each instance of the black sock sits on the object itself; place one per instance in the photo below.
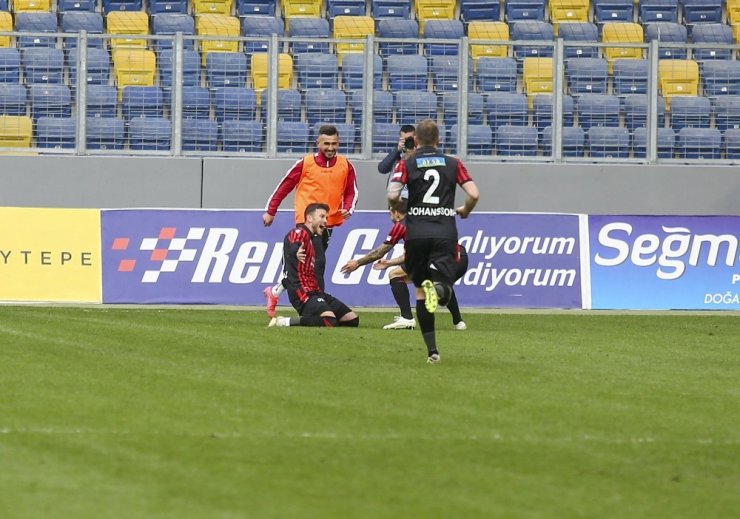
(426, 325)
(454, 309)
(401, 294)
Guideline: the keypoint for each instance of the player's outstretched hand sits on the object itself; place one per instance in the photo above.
(380, 265)
(350, 266)
(267, 219)
(461, 212)
(346, 215)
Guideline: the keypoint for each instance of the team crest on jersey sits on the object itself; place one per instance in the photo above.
(430, 162)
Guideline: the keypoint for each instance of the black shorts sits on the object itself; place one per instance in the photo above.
(432, 258)
(462, 262)
(320, 302)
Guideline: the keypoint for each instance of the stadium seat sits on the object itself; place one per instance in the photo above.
(13, 98)
(289, 104)
(732, 143)
(414, 105)
(452, 30)
(587, 75)
(666, 142)
(10, 65)
(168, 24)
(76, 5)
(43, 65)
(326, 105)
(690, 111)
(573, 140)
(542, 111)
(568, 11)
(701, 11)
(196, 102)
(658, 11)
(699, 143)
(263, 27)
(242, 136)
(56, 132)
(434, 10)
(230, 103)
(678, 78)
(635, 109)
(217, 25)
(353, 71)
(31, 6)
(583, 32)
(608, 142)
(293, 8)
(496, 75)
(313, 28)
(533, 31)
(727, 112)
(134, 67)
(733, 11)
(347, 136)
(622, 32)
(614, 10)
(668, 32)
(473, 10)
(105, 133)
(518, 10)
(382, 106)
(345, 7)
(36, 23)
(122, 5)
(537, 76)
(226, 69)
(630, 76)
(292, 137)
(76, 21)
(385, 137)
(190, 67)
(259, 71)
(102, 101)
(480, 139)
(381, 9)
(515, 141)
(450, 103)
(199, 135)
(127, 23)
(352, 28)
(445, 72)
(407, 72)
(223, 7)
(506, 108)
(15, 131)
(50, 101)
(256, 7)
(316, 70)
(151, 133)
(397, 28)
(168, 6)
(142, 101)
(490, 31)
(597, 110)
(98, 66)
(711, 33)
(6, 25)
(721, 77)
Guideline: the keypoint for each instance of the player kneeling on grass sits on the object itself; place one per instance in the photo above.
(315, 307)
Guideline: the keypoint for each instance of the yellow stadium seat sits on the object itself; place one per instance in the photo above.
(6, 25)
(678, 77)
(736, 31)
(733, 11)
(260, 70)
(568, 11)
(537, 77)
(217, 25)
(352, 27)
(15, 131)
(129, 23)
(622, 32)
(212, 7)
(134, 67)
(310, 8)
(31, 6)
(492, 31)
(434, 10)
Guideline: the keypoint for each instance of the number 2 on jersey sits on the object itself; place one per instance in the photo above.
(429, 196)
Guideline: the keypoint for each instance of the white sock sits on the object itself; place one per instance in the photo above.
(278, 289)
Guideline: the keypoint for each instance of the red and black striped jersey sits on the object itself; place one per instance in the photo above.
(396, 234)
(300, 276)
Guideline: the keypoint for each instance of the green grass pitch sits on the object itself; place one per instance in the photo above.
(180, 413)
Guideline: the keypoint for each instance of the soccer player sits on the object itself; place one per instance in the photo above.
(431, 230)
(325, 176)
(300, 253)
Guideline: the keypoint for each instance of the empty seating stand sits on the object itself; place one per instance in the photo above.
(665, 145)
(151, 133)
(242, 136)
(472, 10)
(608, 142)
(56, 132)
(234, 103)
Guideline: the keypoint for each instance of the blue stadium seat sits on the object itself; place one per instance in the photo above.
(314, 28)
(701, 11)
(43, 65)
(635, 108)
(168, 24)
(196, 102)
(711, 33)
(242, 136)
(226, 69)
(102, 101)
(533, 31)
(732, 143)
(353, 71)
(105, 133)
(579, 31)
(98, 66)
(36, 23)
(506, 108)
(289, 103)
(316, 70)
(50, 101)
(151, 133)
(347, 136)
(630, 76)
(666, 142)
(658, 11)
(414, 105)
(390, 9)
(542, 111)
(385, 137)
(597, 110)
(10, 65)
(480, 139)
(168, 6)
(487, 10)
(699, 143)
(573, 141)
(326, 105)
(613, 10)
(76, 21)
(606, 142)
(13, 99)
(190, 67)
(122, 5)
(587, 75)
(199, 135)
(668, 32)
(515, 141)
(382, 106)
(76, 5)
(496, 74)
(517, 10)
(398, 28)
(344, 8)
(727, 112)
(450, 103)
(445, 71)
(234, 103)
(443, 30)
(292, 137)
(407, 72)
(142, 101)
(721, 77)
(263, 27)
(690, 111)
(256, 7)
(56, 132)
